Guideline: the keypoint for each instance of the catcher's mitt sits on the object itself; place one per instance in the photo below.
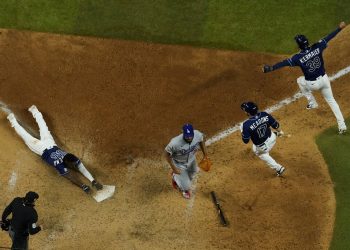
(205, 164)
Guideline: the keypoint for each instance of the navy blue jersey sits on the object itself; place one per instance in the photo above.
(257, 128)
(54, 157)
(309, 60)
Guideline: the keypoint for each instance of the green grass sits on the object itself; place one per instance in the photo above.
(254, 25)
(336, 151)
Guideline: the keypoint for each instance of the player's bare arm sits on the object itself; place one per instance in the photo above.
(169, 160)
(203, 148)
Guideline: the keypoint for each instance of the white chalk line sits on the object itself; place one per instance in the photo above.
(271, 109)
(13, 178)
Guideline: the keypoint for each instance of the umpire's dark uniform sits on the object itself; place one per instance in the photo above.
(23, 222)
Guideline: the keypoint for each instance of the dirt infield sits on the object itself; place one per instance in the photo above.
(109, 101)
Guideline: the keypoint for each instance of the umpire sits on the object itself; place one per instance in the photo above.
(23, 222)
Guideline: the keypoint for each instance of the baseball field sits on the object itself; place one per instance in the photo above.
(116, 80)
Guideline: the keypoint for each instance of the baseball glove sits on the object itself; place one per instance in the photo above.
(205, 164)
(267, 68)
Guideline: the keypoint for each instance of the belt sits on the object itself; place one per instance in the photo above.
(262, 144)
(315, 78)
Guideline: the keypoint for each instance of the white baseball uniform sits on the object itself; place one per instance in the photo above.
(45, 143)
(323, 84)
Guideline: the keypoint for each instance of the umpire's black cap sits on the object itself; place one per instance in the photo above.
(31, 197)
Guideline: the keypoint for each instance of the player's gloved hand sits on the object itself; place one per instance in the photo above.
(342, 25)
(267, 68)
(85, 188)
(279, 133)
(5, 225)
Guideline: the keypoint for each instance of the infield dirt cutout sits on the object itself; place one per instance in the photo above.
(116, 104)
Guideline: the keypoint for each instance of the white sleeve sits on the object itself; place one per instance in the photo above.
(169, 148)
(200, 135)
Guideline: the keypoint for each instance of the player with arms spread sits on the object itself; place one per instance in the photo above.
(310, 60)
(257, 129)
(47, 148)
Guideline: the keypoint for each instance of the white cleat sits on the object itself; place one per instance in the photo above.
(312, 105)
(342, 131)
(33, 109)
(12, 119)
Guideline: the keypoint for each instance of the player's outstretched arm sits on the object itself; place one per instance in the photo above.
(341, 26)
(203, 148)
(284, 63)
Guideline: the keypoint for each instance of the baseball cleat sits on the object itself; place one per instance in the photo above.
(280, 172)
(342, 131)
(85, 188)
(186, 194)
(97, 185)
(12, 119)
(312, 106)
(33, 109)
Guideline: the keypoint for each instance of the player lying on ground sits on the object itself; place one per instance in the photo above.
(47, 148)
(257, 128)
(181, 156)
(310, 60)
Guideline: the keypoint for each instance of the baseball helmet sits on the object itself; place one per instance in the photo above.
(249, 107)
(187, 130)
(31, 197)
(302, 41)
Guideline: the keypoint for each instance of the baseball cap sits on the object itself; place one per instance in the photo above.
(250, 107)
(31, 196)
(187, 130)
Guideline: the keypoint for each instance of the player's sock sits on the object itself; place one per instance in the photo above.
(85, 172)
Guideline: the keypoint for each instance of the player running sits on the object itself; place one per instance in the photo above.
(47, 148)
(181, 156)
(310, 60)
(257, 128)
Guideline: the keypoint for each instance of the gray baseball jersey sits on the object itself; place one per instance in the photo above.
(182, 152)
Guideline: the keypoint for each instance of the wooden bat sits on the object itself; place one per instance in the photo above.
(218, 208)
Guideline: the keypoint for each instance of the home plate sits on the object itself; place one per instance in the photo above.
(105, 193)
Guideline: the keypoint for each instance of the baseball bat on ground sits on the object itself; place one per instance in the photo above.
(218, 208)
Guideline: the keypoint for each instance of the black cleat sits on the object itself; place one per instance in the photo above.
(97, 185)
(280, 172)
(85, 188)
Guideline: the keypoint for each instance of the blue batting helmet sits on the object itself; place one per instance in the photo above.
(187, 130)
(250, 107)
(302, 41)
